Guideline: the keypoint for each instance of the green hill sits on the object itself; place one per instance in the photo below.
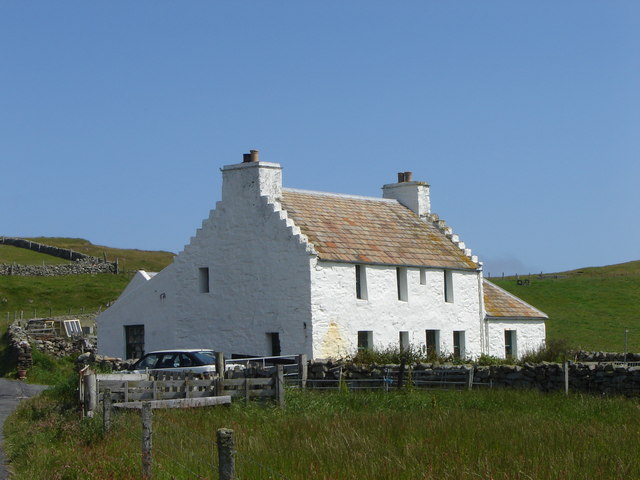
(589, 307)
(38, 296)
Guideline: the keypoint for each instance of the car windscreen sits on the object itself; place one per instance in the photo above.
(205, 358)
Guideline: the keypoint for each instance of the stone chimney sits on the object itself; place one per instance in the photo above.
(252, 179)
(413, 195)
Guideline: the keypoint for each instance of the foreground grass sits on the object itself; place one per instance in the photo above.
(590, 311)
(495, 434)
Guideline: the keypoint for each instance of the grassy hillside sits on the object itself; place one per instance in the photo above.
(130, 259)
(40, 295)
(589, 307)
(11, 254)
(75, 292)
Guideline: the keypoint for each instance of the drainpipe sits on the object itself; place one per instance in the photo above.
(484, 334)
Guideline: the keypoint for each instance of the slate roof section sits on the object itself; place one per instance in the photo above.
(368, 230)
(499, 303)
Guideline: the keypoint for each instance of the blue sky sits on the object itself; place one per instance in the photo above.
(524, 117)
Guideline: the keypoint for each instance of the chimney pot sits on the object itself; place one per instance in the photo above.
(408, 176)
(252, 156)
(400, 177)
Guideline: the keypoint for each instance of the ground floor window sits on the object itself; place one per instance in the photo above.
(433, 343)
(273, 339)
(458, 344)
(365, 340)
(509, 343)
(134, 341)
(404, 341)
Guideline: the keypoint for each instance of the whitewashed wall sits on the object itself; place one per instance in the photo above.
(338, 315)
(259, 280)
(530, 336)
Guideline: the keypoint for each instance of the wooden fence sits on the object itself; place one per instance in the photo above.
(177, 390)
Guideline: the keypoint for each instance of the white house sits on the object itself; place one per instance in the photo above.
(284, 271)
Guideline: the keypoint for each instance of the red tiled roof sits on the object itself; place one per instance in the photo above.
(500, 303)
(368, 230)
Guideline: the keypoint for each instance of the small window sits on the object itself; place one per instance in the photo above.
(273, 339)
(423, 276)
(448, 286)
(458, 344)
(401, 280)
(365, 340)
(404, 341)
(361, 282)
(204, 279)
(134, 341)
(509, 343)
(433, 343)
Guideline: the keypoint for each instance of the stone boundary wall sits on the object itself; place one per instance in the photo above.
(600, 378)
(76, 268)
(21, 345)
(82, 264)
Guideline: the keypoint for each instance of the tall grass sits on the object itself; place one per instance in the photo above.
(494, 434)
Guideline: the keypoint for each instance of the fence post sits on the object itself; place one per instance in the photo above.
(302, 370)
(106, 410)
(90, 394)
(566, 378)
(220, 368)
(279, 386)
(147, 432)
(470, 378)
(226, 454)
(220, 363)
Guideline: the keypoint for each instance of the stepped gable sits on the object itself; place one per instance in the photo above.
(347, 228)
(499, 303)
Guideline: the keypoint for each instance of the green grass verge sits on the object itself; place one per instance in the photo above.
(497, 434)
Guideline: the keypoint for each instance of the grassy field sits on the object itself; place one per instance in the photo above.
(58, 295)
(494, 434)
(22, 256)
(589, 308)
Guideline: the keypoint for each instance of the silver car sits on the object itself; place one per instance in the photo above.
(194, 360)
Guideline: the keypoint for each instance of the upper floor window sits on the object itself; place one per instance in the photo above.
(203, 279)
(448, 286)
(361, 282)
(401, 280)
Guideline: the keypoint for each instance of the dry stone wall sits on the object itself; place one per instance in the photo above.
(601, 378)
(76, 268)
(82, 264)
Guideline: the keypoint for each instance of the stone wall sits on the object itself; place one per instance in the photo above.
(82, 264)
(21, 345)
(601, 378)
(79, 267)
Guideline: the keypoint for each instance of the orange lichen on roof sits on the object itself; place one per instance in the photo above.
(500, 303)
(368, 230)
